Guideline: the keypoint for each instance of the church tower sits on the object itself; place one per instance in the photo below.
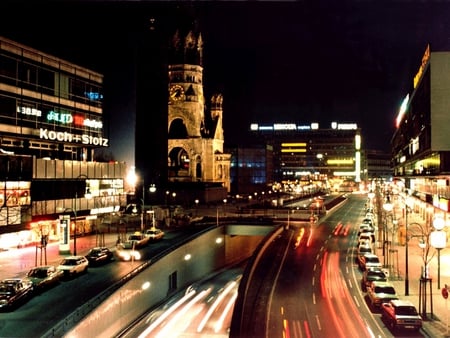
(195, 138)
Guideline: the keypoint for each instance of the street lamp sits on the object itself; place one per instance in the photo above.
(407, 204)
(371, 196)
(422, 245)
(438, 239)
(87, 195)
(151, 189)
(196, 207)
(388, 206)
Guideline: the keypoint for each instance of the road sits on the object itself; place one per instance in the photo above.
(43, 311)
(202, 310)
(308, 283)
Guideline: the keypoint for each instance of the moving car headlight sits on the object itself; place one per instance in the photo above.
(124, 255)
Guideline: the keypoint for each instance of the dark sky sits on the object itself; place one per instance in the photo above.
(300, 62)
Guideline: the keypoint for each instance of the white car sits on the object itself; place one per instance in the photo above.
(365, 227)
(381, 292)
(154, 234)
(369, 260)
(126, 252)
(138, 240)
(73, 265)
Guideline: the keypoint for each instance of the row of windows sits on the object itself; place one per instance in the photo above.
(26, 75)
(37, 114)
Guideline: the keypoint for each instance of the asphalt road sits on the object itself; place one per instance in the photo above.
(308, 284)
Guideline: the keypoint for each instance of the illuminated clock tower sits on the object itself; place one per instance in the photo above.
(195, 139)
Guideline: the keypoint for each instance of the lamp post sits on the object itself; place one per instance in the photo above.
(406, 254)
(388, 206)
(407, 205)
(371, 196)
(143, 206)
(87, 195)
(196, 207)
(438, 239)
(152, 190)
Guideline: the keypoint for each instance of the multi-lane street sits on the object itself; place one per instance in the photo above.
(307, 284)
(312, 288)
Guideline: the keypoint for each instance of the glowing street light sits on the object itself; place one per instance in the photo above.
(388, 206)
(438, 241)
(196, 206)
(407, 206)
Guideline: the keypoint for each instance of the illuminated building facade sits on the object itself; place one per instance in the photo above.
(180, 149)
(195, 137)
(51, 122)
(421, 143)
(329, 158)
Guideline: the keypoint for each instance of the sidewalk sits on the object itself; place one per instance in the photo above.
(436, 323)
(17, 262)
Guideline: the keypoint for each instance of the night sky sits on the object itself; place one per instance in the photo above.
(299, 62)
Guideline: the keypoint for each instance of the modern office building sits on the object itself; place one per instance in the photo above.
(421, 142)
(326, 158)
(377, 165)
(251, 169)
(51, 123)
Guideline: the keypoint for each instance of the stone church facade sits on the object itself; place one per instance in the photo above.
(195, 132)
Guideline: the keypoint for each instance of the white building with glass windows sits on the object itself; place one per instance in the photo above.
(51, 123)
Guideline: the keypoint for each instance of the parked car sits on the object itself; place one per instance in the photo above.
(14, 291)
(363, 249)
(369, 221)
(369, 260)
(367, 236)
(364, 242)
(154, 234)
(369, 210)
(401, 314)
(73, 265)
(370, 275)
(99, 255)
(380, 292)
(365, 227)
(44, 277)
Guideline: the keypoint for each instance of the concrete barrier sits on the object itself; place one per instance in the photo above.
(170, 273)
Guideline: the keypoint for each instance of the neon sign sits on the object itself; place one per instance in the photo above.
(78, 120)
(93, 96)
(29, 111)
(425, 58)
(59, 117)
(64, 136)
(402, 111)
